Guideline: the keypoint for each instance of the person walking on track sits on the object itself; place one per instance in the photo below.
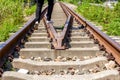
(39, 8)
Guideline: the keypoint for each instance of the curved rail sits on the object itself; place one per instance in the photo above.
(59, 40)
(105, 42)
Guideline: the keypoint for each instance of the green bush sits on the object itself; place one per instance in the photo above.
(12, 16)
(108, 18)
(30, 10)
(114, 27)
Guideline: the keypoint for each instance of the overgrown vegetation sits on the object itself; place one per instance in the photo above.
(30, 10)
(12, 13)
(108, 18)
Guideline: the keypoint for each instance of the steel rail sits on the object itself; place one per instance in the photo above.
(8, 47)
(107, 43)
(51, 34)
(59, 40)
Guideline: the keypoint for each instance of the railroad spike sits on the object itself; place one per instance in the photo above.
(22, 41)
(29, 32)
(102, 48)
(52, 47)
(50, 40)
(110, 57)
(85, 29)
(10, 55)
(81, 27)
(91, 36)
(10, 59)
(17, 48)
(35, 27)
(27, 36)
(87, 32)
(96, 41)
(32, 30)
(66, 46)
(69, 35)
(48, 35)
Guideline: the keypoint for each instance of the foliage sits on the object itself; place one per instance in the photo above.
(10, 8)
(94, 1)
(114, 27)
(108, 18)
(29, 2)
(30, 10)
(117, 10)
(71, 1)
(12, 16)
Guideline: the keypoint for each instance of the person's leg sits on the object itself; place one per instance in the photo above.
(38, 9)
(50, 9)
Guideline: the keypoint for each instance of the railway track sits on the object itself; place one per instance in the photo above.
(68, 49)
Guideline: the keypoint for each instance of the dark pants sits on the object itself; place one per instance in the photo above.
(39, 8)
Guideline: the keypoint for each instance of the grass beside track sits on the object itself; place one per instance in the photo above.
(12, 13)
(106, 17)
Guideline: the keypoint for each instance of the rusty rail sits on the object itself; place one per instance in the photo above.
(59, 40)
(104, 41)
(7, 48)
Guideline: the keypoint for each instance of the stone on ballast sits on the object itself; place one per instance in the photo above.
(38, 59)
(86, 57)
(82, 58)
(59, 58)
(74, 58)
(49, 73)
(76, 71)
(64, 59)
(62, 72)
(47, 59)
(53, 71)
(43, 73)
(24, 71)
(22, 57)
(71, 71)
(78, 60)
(94, 70)
(111, 65)
(37, 72)
(68, 58)
(85, 71)
(32, 58)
